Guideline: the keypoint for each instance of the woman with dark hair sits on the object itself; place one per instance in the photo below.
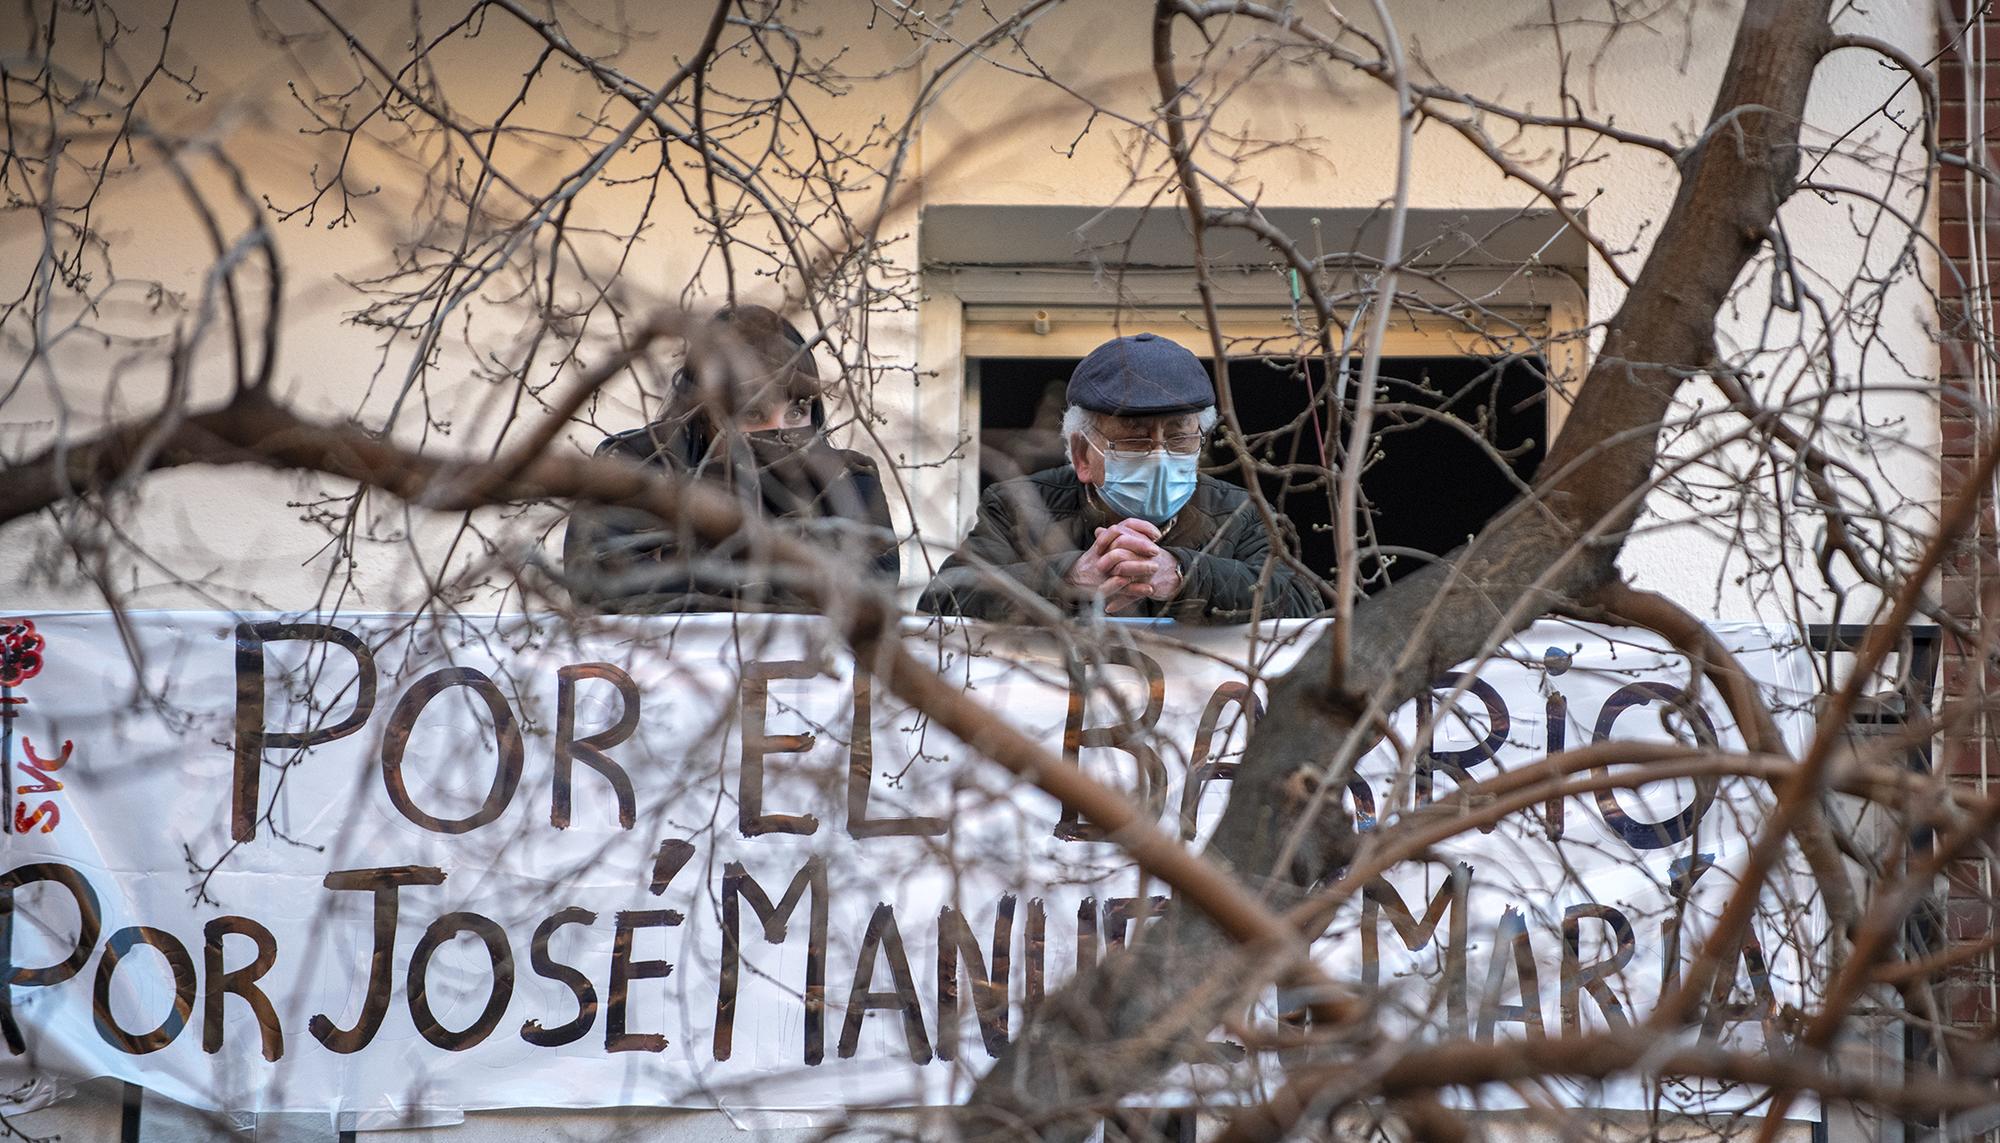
(746, 414)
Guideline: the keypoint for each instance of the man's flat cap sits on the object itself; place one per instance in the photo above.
(1143, 375)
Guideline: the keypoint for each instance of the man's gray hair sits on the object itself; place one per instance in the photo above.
(1076, 419)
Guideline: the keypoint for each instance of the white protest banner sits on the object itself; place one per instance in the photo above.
(367, 862)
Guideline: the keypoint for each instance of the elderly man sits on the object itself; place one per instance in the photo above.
(1130, 521)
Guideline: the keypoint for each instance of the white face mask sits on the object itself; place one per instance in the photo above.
(1153, 487)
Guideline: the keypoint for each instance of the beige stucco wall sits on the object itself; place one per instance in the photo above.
(993, 137)
(1658, 80)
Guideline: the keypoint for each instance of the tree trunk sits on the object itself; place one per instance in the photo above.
(1116, 1028)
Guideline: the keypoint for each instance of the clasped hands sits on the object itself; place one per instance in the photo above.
(1125, 564)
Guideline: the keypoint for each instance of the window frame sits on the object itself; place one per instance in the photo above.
(975, 312)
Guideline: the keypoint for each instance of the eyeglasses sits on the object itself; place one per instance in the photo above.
(1134, 448)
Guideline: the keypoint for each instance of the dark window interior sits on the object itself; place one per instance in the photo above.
(1430, 486)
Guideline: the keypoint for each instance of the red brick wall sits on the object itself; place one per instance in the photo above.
(1969, 42)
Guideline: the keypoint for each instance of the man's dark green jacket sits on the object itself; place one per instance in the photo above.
(1031, 531)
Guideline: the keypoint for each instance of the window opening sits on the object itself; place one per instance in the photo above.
(1454, 438)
